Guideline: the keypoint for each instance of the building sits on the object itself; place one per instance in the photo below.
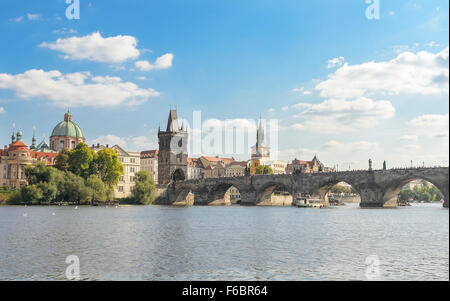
(66, 134)
(195, 169)
(236, 169)
(15, 157)
(215, 167)
(252, 165)
(278, 167)
(149, 163)
(172, 157)
(131, 165)
(260, 151)
(312, 166)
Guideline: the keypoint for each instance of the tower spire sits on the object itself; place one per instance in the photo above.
(13, 136)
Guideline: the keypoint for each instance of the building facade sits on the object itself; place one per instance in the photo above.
(149, 163)
(195, 169)
(172, 157)
(66, 134)
(15, 157)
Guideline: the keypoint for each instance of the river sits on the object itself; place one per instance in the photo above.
(225, 243)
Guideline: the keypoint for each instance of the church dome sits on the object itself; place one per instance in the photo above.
(67, 128)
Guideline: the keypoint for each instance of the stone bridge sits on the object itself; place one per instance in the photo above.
(377, 188)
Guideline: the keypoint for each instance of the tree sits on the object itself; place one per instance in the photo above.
(108, 167)
(62, 160)
(259, 170)
(31, 194)
(144, 190)
(80, 160)
(97, 187)
(268, 170)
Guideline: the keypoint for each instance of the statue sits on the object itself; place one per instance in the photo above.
(370, 164)
(384, 165)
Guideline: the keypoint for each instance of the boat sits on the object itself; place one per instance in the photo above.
(303, 202)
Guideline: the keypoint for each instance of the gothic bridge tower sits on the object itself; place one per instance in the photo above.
(173, 154)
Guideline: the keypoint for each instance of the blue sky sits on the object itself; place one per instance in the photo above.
(341, 85)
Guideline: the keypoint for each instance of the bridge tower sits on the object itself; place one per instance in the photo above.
(173, 154)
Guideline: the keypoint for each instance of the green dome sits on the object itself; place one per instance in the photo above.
(68, 129)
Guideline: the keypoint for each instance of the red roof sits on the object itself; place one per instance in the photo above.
(240, 163)
(149, 154)
(18, 145)
(39, 156)
(218, 159)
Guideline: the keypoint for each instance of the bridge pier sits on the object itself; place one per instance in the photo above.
(372, 197)
(248, 198)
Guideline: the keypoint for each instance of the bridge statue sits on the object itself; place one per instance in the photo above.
(377, 188)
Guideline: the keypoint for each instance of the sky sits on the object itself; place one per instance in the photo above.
(339, 80)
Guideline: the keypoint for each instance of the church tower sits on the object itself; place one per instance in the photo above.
(260, 151)
(173, 154)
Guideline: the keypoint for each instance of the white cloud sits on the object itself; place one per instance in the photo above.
(434, 125)
(301, 90)
(285, 108)
(18, 19)
(359, 146)
(65, 30)
(408, 138)
(33, 17)
(297, 126)
(2, 110)
(410, 73)
(163, 62)
(336, 62)
(96, 48)
(342, 116)
(79, 89)
(271, 110)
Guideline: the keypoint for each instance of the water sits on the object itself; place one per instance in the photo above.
(224, 243)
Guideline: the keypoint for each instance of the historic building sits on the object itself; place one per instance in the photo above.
(260, 151)
(278, 167)
(149, 163)
(236, 169)
(173, 154)
(195, 168)
(66, 134)
(312, 166)
(131, 162)
(17, 155)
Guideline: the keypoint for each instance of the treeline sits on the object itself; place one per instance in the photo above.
(338, 189)
(425, 192)
(80, 176)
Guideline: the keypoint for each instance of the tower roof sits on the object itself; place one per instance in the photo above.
(172, 123)
(67, 128)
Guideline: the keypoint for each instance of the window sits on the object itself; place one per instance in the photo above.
(120, 188)
(133, 160)
(73, 144)
(121, 179)
(132, 169)
(61, 144)
(131, 179)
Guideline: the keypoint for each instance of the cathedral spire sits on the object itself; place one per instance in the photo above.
(13, 136)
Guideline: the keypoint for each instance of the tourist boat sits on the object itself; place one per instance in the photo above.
(307, 203)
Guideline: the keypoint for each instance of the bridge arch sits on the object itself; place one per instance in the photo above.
(323, 190)
(178, 175)
(274, 193)
(391, 194)
(221, 193)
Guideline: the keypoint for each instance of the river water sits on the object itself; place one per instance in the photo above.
(225, 243)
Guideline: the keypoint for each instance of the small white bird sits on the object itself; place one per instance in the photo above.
(53, 213)
(76, 207)
(117, 206)
(25, 214)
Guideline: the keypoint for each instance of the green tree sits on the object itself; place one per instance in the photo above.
(108, 167)
(80, 160)
(74, 190)
(97, 187)
(144, 190)
(259, 170)
(62, 160)
(268, 170)
(31, 194)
